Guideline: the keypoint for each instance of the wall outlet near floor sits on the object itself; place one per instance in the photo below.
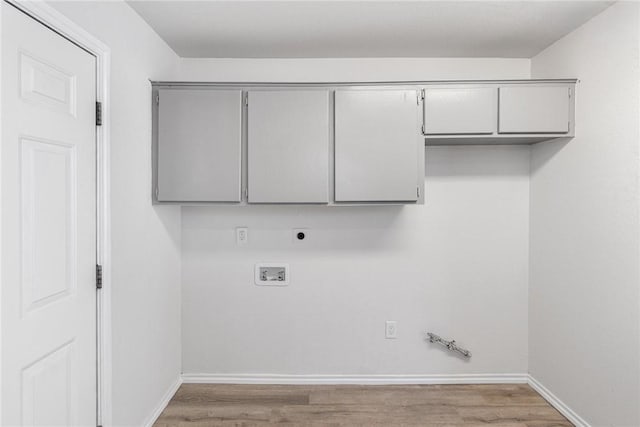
(391, 329)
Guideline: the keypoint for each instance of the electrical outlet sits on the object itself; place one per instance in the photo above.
(300, 234)
(242, 235)
(391, 329)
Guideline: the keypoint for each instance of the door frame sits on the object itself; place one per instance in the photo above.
(59, 23)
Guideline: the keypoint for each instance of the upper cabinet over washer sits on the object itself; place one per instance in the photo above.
(335, 143)
(288, 146)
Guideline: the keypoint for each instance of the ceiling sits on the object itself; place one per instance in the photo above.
(335, 29)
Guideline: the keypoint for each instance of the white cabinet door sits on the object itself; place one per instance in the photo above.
(288, 146)
(199, 145)
(534, 109)
(377, 141)
(457, 111)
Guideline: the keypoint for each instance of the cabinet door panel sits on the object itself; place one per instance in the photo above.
(534, 109)
(288, 146)
(199, 145)
(456, 111)
(377, 134)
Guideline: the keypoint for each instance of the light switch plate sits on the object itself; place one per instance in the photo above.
(272, 274)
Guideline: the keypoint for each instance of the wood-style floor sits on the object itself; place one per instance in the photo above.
(504, 405)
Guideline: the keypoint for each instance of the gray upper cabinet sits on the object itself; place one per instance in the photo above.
(378, 148)
(199, 145)
(460, 111)
(336, 144)
(531, 109)
(288, 146)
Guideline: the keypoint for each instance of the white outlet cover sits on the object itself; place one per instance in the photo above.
(391, 329)
(242, 235)
(260, 282)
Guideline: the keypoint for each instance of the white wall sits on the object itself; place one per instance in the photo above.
(145, 239)
(457, 266)
(352, 69)
(584, 285)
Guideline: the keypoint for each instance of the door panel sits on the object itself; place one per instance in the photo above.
(288, 146)
(534, 109)
(44, 84)
(48, 221)
(48, 195)
(199, 145)
(377, 139)
(455, 111)
(46, 389)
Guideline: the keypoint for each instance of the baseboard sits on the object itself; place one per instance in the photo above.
(151, 419)
(557, 403)
(354, 379)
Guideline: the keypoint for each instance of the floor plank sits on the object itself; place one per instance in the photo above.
(501, 405)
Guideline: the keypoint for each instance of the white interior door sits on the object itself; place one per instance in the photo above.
(48, 177)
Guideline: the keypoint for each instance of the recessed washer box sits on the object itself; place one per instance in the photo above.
(272, 274)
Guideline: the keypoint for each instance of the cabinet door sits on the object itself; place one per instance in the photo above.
(459, 111)
(534, 109)
(377, 137)
(288, 146)
(199, 145)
